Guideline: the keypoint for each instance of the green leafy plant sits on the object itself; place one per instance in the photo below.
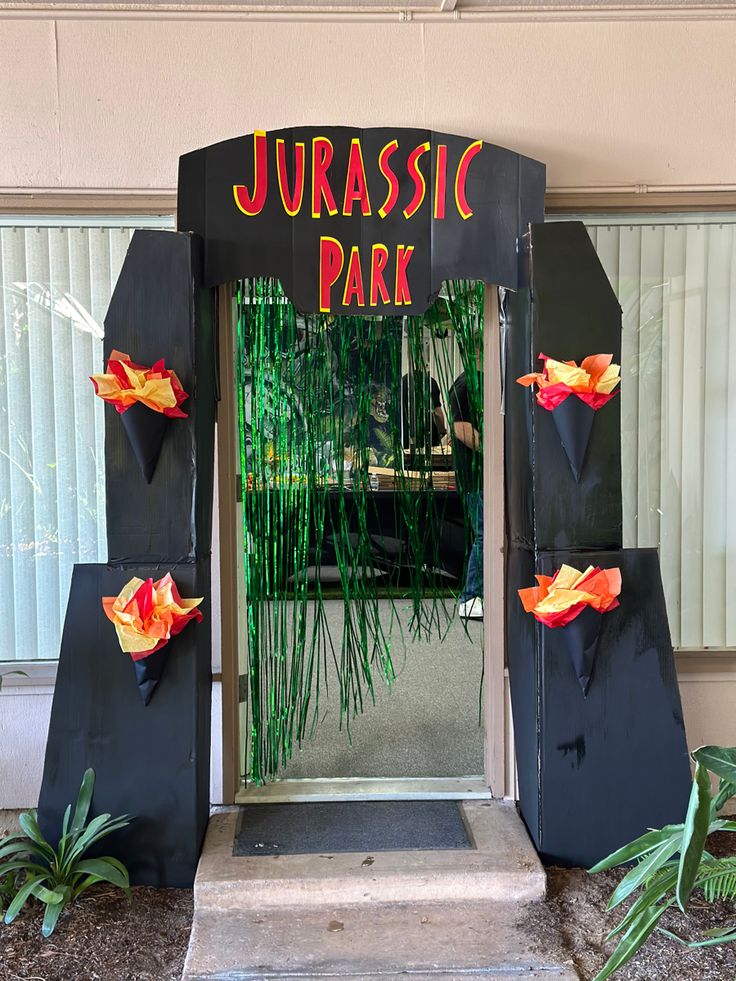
(8, 887)
(58, 876)
(671, 863)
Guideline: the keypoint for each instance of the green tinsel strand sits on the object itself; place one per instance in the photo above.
(465, 306)
(297, 408)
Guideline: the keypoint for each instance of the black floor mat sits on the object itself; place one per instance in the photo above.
(349, 826)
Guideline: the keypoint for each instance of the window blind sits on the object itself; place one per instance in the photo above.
(56, 280)
(675, 277)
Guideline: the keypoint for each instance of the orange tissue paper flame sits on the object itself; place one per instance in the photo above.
(593, 381)
(125, 383)
(558, 599)
(148, 614)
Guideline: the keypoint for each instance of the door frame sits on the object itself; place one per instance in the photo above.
(494, 562)
(225, 505)
(494, 696)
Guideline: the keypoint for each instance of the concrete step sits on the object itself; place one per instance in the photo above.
(464, 940)
(502, 867)
(452, 914)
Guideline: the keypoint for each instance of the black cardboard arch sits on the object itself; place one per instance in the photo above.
(164, 306)
(505, 191)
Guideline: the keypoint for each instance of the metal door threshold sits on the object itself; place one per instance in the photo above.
(366, 788)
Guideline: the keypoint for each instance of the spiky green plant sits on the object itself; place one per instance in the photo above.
(8, 887)
(672, 863)
(31, 867)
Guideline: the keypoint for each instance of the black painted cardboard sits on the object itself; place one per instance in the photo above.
(581, 636)
(146, 430)
(151, 762)
(160, 310)
(505, 192)
(573, 421)
(149, 671)
(524, 667)
(519, 483)
(570, 312)
(614, 763)
(596, 771)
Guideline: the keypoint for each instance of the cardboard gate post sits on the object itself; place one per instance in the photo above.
(151, 762)
(594, 772)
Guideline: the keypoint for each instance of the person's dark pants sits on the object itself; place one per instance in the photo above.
(474, 574)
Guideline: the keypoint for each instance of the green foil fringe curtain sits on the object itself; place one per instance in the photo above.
(333, 411)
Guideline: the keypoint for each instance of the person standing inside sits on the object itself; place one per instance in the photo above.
(422, 418)
(465, 404)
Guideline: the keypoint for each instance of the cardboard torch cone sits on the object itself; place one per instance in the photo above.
(574, 421)
(148, 672)
(145, 429)
(581, 637)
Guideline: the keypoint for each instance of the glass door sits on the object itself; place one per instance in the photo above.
(359, 539)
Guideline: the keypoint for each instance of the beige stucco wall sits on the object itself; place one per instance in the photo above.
(112, 103)
(24, 724)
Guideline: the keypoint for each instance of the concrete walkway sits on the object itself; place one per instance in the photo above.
(422, 915)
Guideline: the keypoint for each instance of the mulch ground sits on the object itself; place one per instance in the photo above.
(576, 909)
(102, 937)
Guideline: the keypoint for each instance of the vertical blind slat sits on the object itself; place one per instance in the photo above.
(670, 476)
(40, 398)
(21, 469)
(7, 542)
(65, 423)
(692, 386)
(649, 378)
(629, 292)
(730, 462)
(715, 444)
(84, 410)
(78, 287)
(103, 281)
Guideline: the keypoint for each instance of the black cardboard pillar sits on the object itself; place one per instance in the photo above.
(596, 771)
(569, 312)
(151, 761)
(159, 309)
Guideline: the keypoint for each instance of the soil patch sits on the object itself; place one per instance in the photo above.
(102, 937)
(576, 910)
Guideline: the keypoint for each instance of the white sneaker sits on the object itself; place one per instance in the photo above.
(471, 609)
